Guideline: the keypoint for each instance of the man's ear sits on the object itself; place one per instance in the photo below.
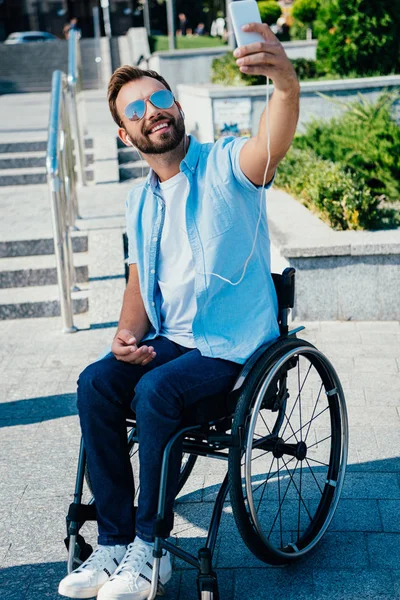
(180, 108)
(124, 136)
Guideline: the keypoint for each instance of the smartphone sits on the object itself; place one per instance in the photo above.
(243, 12)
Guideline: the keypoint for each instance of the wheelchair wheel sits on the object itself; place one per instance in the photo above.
(286, 479)
(188, 462)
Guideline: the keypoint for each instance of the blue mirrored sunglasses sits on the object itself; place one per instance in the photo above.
(137, 109)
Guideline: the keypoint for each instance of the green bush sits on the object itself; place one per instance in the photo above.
(358, 35)
(226, 72)
(326, 188)
(365, 138)
(305, 11)
(270, 11)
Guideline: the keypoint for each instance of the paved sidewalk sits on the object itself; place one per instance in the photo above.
(39, 436)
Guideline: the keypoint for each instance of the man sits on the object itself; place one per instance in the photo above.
(184, 331)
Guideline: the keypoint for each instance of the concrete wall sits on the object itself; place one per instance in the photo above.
(194, 66)
(341, 275)
(29, 67)
(198, 101)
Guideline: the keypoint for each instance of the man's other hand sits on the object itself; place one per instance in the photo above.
(124, 348)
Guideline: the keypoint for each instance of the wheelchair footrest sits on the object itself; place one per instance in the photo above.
(82, 512)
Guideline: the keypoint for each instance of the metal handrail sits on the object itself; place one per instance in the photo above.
(75, 88)
(61, 180)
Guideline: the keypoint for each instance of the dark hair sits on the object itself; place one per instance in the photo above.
(124, 75)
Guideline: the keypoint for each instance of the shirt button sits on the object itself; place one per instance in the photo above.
(152, 271)
(153, 303)
(155, 238)
(160, 207)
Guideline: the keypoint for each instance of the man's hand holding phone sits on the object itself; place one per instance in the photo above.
(124, 348)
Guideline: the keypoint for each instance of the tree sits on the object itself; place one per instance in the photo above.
(270, 11)
(305, 11)
(358, 36)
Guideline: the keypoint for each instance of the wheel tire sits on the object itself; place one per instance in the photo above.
(258, 544)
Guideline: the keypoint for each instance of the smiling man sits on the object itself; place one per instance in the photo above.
(189, 318)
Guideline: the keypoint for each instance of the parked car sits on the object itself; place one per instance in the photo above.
(22, 37)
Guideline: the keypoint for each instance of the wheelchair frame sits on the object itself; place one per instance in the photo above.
(201, 441)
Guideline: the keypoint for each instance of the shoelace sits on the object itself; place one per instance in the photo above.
(95, 559)
(133, 560)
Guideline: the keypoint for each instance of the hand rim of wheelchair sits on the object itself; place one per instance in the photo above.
(247, 520)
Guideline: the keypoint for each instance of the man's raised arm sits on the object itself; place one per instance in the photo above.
(269, 58)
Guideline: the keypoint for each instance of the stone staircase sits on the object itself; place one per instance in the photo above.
(23, 163)
(28, 278)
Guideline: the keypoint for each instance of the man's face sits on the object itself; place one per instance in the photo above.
(148, 141)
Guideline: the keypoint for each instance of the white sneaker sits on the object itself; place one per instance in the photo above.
(87, 579)
(132, 579)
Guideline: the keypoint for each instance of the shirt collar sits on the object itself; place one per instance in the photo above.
(190, 161)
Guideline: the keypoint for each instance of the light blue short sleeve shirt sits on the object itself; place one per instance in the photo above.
(222, 211)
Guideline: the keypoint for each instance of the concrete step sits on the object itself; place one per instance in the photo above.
(128, 155)
(41, 246)
(43, 301)
(24, 160)
(32, 146)
(132, 170)
(29, 176)
(29, 271)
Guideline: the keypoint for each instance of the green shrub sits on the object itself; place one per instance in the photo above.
(270, 11)
(298, 31)
(326, 188)
(365, 138)
(305, 11)
(358, 35)
(225, 71)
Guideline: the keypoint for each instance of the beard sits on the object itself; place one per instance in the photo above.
(165, 142)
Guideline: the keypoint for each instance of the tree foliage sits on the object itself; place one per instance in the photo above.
(358, 35)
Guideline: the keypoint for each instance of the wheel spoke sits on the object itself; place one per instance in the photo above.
(283, 499)
(328, 437)
(273, 475)
(320, 413)
(269, 431)
(319, 462)
(294, 405)
(294, 483)
(298, 521)
(313, 412)
(312, 473)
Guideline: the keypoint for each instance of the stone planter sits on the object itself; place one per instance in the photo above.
(341, 275)
(199, 101)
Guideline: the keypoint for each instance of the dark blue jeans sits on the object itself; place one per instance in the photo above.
(108, 390)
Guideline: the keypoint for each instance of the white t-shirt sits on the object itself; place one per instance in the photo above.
(175, 268)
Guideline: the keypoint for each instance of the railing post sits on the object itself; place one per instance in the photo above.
(58, 199)
(74, 80)
(97, 38)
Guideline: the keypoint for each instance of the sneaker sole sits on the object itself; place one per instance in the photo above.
(142, 595)
(65, 590)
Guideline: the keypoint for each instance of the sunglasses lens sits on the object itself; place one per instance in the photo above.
(135, 110)
(162, 99)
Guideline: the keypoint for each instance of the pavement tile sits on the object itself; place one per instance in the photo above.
(353, 584)
(356, 515)
(371, 485)
(390, 512)
(384, 550)
(294, 582)
(378, 398)
(382, 366)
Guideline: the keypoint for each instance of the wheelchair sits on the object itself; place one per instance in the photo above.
(283, 431)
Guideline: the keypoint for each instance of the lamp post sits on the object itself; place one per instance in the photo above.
(105, 5)
(171, 24)
(146, 16)
(231, 35)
